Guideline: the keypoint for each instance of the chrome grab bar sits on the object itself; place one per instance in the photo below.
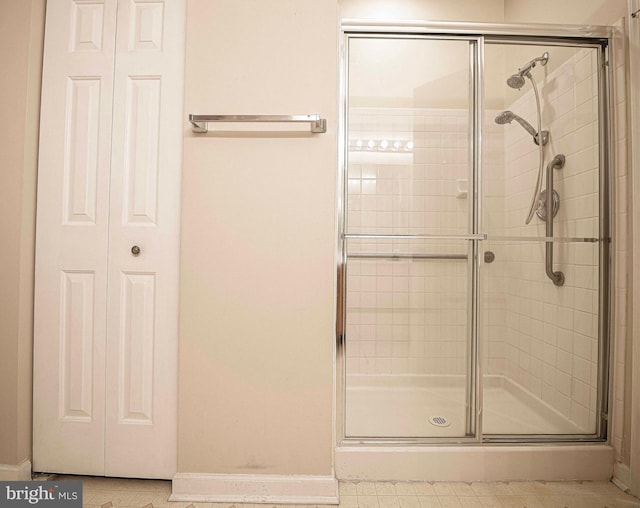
(199, 122)
(557, 277)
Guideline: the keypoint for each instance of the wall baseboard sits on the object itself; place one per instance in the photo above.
(21, 472)
(621, 476)
(248, 488)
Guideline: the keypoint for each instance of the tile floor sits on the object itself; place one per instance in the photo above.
(116, 492)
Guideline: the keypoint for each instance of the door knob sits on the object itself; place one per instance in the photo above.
(135, 250)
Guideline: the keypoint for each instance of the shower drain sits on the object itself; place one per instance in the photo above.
(439, 421)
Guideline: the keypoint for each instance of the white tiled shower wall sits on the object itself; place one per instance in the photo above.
(404, 316)
(408, 317)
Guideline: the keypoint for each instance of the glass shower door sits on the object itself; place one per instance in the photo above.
(408, 238)
(544, 333)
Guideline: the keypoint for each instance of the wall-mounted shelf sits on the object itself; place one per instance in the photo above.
(462, 187)
(200, 122)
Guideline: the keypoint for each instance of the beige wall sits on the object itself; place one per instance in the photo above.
(21, 34)
(491, 11)
(258, 241)
(598, 12)
(601, 12)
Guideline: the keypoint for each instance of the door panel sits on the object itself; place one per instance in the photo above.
(408, 243)
(147, 155)
(105, 351)
(543, 340)
(72, 237)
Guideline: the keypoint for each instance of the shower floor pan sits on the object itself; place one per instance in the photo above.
(415, 406)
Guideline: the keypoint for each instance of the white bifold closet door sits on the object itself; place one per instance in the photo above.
(106, 318)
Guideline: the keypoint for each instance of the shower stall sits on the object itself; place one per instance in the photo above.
(473, 282)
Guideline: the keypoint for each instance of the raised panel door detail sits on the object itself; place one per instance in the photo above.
(81, 151)
(76, 345)
(87, 19)
(141, 151)
(146, 30)
(137, 333)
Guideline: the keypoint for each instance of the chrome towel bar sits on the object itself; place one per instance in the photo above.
(200, 122)
(361, 255)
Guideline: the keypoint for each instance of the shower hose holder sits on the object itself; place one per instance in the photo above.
(545, 138)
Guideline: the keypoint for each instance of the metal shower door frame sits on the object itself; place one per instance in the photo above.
(599, 38)
(474, 236)
(478, 34)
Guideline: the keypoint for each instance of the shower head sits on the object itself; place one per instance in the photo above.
(516, 80)
(510, 116)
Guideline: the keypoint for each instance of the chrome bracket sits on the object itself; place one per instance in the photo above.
(545, 138)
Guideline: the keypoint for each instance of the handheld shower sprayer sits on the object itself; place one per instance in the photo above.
(509, 116)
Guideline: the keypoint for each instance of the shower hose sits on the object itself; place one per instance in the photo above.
(535, 199)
